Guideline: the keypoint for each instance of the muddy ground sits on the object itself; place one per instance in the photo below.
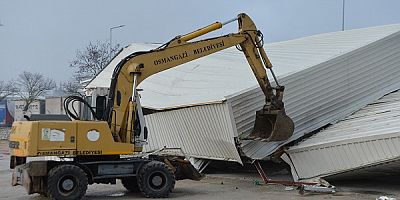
(239, 184)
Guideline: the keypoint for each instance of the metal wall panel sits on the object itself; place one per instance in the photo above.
(201, 131)
(327, 77)
(376, 170)
(328, 92)
(366, 138)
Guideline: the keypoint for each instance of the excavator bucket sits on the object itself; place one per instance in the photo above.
(271, 126)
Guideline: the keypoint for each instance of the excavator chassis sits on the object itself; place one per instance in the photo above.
(155, 177)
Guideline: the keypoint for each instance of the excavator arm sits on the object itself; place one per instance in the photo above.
(271, 122)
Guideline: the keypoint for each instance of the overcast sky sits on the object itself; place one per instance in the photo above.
(43, 36)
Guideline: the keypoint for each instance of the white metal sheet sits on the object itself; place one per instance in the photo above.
(201, 131)
(327, 77)
(332, 90)
(212, 78)
(369, 137)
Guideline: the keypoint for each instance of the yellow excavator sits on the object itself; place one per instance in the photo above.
(103, 150)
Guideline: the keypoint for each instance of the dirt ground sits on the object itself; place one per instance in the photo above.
(217, 185)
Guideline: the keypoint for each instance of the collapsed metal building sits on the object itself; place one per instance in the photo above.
(204, 105)
(364, 143)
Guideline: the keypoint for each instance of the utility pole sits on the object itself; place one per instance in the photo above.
(114, 27)
(343, 15)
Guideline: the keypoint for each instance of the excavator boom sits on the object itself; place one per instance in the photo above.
(272, 124)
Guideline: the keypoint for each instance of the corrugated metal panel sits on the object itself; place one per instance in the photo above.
(203, 81)
(201, 132)
(329, 91)
(368, 137)
(327, 77)
(376, 170)
(212, 78)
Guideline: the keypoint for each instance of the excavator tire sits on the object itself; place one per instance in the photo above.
(66, 182)
(131, 184)
(156, 180)
(43, 194)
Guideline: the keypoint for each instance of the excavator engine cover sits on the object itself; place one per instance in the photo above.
(272, 126)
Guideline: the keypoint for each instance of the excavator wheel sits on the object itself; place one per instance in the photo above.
(66, 182)
(131, 184)
(156, 180)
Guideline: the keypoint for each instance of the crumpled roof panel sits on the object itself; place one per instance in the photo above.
(327, 77)
(212, 78)
(334, 89)
(369, 137)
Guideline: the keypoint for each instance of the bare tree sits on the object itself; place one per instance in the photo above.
(92, 60)
(32, 85)
(7, 89)
(71, 87)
